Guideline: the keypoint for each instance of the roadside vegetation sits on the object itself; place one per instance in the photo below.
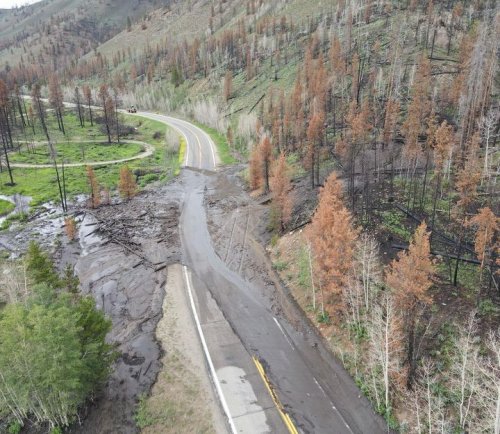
(83, 144)
(53, 355)
(383, 114)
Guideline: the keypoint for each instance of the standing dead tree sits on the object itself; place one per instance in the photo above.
(333, 235)
(280, 189)
(5, 129)
(410, 278)
(40, 109)
(87, 94)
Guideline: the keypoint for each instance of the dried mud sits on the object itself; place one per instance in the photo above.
(238, 225)
(125, 252)
(121, 257)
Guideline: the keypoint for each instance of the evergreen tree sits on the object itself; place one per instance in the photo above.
(59, 353)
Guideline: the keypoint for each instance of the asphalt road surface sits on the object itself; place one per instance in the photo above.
(311, 384)
(200, 150)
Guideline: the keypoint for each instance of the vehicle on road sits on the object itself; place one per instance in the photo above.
(132, 109)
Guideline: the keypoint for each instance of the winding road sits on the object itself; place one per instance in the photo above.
(312, 386)
(200, 149)
(268, 377)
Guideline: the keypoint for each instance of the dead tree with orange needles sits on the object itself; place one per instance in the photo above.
(315, 134)
(255, 169)
(127, 185)
(265, 151)
(95, 193)
(487, 226)
(410, 277)
(333, 235)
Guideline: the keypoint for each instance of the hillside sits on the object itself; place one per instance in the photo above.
(56, 32)
(371, 132)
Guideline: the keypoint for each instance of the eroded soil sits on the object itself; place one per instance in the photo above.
(121, 258)
(125, 252)
(238, 225)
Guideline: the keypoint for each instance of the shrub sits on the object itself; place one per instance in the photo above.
(15, 427)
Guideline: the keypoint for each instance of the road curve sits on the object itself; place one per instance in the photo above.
(200, 148)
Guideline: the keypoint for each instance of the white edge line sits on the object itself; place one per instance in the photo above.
(333, 406)
(207, 355)
(182, 132)
(211, 143)
(167, 121)
(284, 334)
(188, 125)
(320, 388)
(199, 149)
(207, 136)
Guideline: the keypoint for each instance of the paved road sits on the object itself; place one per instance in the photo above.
(200, 149)
(312, 385)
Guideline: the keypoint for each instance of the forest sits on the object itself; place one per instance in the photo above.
(373, 129)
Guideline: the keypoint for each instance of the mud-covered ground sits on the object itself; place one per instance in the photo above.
(238, 224)
(121, 258)
(125, 251)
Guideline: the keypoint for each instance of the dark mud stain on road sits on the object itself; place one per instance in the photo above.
(125, 250)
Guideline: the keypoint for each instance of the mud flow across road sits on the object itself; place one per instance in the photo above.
(221, 230)
(125, 252)
(207, 222)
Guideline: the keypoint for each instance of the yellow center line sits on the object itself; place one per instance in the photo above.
(284, 415)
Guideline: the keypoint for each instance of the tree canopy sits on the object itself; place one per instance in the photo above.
(53, 354)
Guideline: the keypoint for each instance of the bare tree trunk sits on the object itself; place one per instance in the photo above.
(7, 160)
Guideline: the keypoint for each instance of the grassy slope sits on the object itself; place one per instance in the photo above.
(182, 20)
(41, 184)
(77, 152)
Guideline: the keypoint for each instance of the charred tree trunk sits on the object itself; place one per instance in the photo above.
(7, 160)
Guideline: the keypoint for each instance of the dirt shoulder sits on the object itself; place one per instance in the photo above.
(182, 399)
